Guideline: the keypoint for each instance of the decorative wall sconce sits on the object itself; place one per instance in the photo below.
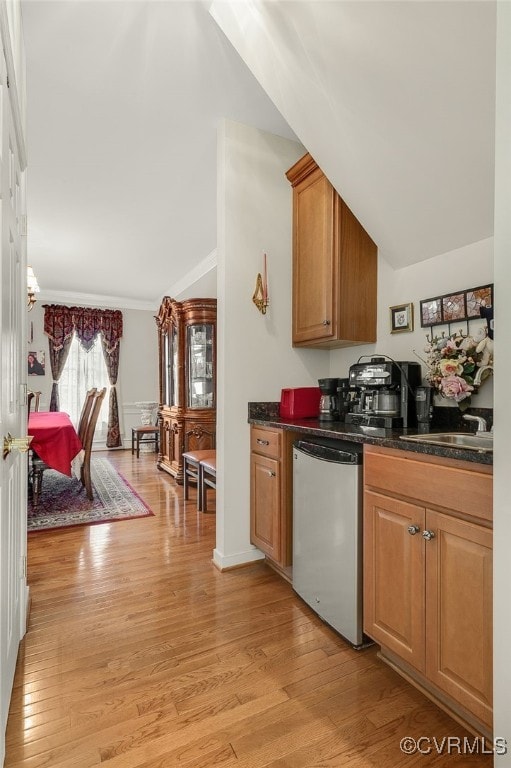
(32, 288)
(260, 297)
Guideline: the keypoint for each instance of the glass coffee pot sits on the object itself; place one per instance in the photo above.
(329, 402)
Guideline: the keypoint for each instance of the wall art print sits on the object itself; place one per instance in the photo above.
(36, 363)
(455, 306)
(401, 318)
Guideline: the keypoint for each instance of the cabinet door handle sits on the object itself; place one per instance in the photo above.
(271, 473)
(413, 529)
(428, 535)
(326, 322)
(262, 442)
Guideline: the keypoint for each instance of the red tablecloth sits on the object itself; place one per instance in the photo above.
(54, 439)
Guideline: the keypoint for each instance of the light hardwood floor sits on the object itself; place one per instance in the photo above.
(141, 654)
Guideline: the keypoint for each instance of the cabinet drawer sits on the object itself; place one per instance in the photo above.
(266, 442)
(451, 485)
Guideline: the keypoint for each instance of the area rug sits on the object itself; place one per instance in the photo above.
(63, 501)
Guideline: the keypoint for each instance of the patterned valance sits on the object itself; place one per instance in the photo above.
(60, 322)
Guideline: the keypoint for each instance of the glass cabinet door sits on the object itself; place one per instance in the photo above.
(172, 360)
(166, 370)
(201, 386)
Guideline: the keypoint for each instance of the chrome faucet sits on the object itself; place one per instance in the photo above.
(482, 427)
(479, 373)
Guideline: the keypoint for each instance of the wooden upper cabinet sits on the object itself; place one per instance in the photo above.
(334, 265)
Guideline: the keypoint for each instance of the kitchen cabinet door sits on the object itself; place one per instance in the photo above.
(459, 611)
(271, 495)
(334, 265)
(314, 265)
(443, 571)
(265, 506)
(394, 574)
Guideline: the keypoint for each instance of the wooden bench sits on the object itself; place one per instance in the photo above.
(208, 480)
(192, 471)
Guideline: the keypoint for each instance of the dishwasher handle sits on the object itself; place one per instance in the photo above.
(328, 453)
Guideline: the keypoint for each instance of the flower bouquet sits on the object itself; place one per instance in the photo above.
(455, 364)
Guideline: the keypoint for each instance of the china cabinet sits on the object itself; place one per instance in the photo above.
(334, 265)
(187, 372)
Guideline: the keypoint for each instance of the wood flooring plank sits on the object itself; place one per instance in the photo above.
(141, 654)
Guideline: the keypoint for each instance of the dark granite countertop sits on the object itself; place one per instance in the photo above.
(266, 415)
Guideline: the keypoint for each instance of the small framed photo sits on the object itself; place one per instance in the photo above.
(401, 318)
(36, 363)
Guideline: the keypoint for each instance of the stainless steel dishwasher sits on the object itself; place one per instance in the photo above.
(327, 532)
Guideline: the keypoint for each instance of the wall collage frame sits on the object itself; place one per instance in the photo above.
(455, 306)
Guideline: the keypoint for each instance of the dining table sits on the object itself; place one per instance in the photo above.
(54, 439)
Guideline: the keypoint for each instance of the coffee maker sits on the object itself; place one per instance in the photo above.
(384, 393)
(328, 404)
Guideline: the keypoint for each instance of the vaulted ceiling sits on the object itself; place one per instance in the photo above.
(395, 100)
(124, 100)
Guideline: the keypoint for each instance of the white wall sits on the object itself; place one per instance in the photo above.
(138, 363)
(37, 342)
(138, 367)
(457, 270)
(203, 288)
(255, 357)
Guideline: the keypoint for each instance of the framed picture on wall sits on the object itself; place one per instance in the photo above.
(453, 307)
(431, 312)
(36, 363)
(401, 318)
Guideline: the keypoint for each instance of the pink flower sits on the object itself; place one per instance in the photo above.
(455, 387)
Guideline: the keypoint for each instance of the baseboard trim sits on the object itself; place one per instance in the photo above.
(226, 563)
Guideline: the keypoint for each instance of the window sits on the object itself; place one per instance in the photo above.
(82, 371)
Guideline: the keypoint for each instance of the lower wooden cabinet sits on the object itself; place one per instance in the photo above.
(179, 434)
(428, 577)
(394, 576)
(271, 493)
(459, 598)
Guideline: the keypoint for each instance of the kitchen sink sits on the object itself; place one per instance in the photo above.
(455, 440)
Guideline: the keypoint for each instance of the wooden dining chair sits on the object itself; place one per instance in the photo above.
(144, 433)
(85, 473)
(84, 416)
(38, 465)
(33, 398)
(35, 476)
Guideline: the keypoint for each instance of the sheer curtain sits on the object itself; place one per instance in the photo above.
(82, 371)
(92, 328)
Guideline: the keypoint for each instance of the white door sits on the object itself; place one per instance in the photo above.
(13, 468)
